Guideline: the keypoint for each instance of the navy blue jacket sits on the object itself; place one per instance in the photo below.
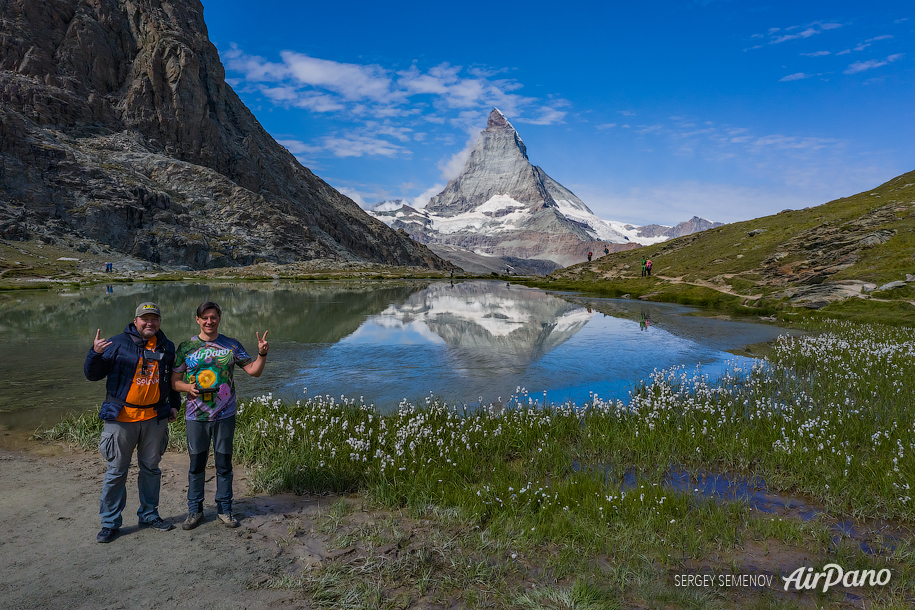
(119, 364)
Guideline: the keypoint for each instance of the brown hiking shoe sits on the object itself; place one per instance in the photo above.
(192, 521)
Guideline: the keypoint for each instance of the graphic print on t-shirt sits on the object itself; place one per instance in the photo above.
(209, 365)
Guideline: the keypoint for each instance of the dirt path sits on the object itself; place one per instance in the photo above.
(49, 512)
(704, 284)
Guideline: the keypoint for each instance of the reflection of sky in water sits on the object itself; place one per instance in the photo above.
(387, 331)
(457, 347)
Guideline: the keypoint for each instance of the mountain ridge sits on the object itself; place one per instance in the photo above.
(119, 131)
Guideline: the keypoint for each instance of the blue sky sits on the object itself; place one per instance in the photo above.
(648, 111)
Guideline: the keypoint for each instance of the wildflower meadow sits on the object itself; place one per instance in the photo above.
(827, 418)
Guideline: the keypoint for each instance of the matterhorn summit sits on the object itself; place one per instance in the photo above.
(501, 205)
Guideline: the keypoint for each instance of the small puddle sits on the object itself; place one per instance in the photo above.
(874, 539)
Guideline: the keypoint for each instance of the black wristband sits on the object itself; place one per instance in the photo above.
(264, 355)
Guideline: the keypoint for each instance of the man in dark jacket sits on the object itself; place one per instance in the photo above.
(137, 409)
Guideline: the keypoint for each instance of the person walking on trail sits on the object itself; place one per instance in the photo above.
(648, 266)
(589, 256)
(204, 367)
(138, 406)
(644, 260)
(606, 250)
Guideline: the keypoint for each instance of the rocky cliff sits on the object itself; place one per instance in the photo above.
(117, 129)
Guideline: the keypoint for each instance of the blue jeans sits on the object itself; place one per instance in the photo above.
(200, 434)
(119, 440)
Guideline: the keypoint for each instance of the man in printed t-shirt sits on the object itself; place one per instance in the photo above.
(204, 367)
(138, 406)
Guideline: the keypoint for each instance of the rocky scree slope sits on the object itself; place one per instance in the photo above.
(858, 246)
(117, 127)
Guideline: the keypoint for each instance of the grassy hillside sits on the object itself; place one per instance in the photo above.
(830, 258)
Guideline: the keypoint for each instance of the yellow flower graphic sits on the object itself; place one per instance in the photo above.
(206, 379)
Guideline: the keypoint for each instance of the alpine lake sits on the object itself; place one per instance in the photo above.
(470, 342)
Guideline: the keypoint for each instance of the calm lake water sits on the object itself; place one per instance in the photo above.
(466, 342)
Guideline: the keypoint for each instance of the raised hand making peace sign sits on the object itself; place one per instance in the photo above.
(262, 346)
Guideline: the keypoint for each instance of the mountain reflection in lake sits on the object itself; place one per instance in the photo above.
(382, 341)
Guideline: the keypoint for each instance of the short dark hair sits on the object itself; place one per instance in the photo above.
(208, 305)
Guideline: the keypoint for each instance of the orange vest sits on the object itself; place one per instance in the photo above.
(144, 390)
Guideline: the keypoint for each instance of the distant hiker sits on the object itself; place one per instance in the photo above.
(137, 409)
(204, 367)
(606, 250)
(644, 260)
(452, 272)
(589, 256)
(648, 266)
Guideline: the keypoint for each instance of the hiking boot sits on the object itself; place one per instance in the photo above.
(192, 521)
(228, 519)
(107, 534)
(159, 524)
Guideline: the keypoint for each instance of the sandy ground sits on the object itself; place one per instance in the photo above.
(50, 558)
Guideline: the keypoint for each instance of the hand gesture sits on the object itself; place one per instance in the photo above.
(262, 346)
(100, 344)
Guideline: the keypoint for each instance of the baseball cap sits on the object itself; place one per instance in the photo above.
(145, 308)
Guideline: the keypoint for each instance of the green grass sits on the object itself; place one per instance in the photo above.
(727, 259)
(828, 417)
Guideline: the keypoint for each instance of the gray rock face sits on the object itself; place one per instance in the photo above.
(498, 165)
(117, 125)
(503, 205)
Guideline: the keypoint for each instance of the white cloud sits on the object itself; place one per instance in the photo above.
(861, 66)
(606, 126)
(646, 129)
(817, 27)
(795, 76)
(816, 54)
(297, 147)
(547, 116)
(354, 145)
(352, 81)
(876, 38)
(421, 200)
(792, 142)
(354, 195)
(451, 167)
